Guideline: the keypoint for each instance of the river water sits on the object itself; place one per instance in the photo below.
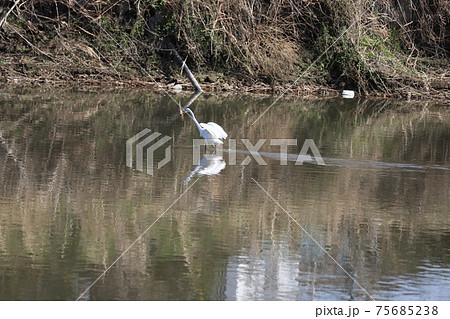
(373, 222)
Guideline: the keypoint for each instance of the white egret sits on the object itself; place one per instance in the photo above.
(212, 133)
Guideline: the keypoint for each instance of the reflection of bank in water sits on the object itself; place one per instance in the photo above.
(210, 164)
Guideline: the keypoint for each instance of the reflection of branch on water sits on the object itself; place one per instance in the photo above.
(11, 151)
(19, 120)
(10, 147)
(192, 98)
(17, 150)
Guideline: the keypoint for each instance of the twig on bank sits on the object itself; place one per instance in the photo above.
(8, 13)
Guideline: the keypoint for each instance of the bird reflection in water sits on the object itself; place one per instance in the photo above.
(210, 164)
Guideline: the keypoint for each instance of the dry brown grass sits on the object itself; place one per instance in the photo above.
(272, 41)
(255, 36)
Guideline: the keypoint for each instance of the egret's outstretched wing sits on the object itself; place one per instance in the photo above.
(220, 133)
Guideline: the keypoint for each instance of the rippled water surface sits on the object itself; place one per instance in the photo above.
(373, 222)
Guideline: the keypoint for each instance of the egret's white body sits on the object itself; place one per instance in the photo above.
(212, 133)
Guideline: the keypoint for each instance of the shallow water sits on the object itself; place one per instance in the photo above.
(69, 205)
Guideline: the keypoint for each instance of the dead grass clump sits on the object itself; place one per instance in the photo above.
(255, 36)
